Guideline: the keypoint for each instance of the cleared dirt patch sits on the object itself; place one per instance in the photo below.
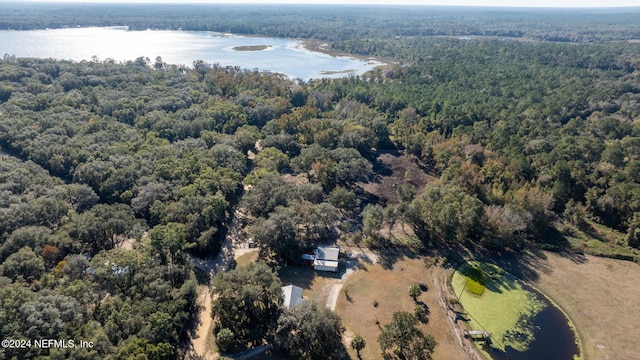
(602, 298)
(245, 256)
(392, 169)
(202, 342)
(389, 288)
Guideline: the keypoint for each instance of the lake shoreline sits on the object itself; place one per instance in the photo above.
(288, 56)
(325, 48)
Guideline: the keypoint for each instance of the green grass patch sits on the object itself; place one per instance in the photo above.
(505, 309)
(475, 280)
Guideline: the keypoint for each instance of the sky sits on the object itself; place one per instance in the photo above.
(501, 3)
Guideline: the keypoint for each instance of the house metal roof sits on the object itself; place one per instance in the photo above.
(292, 295)
(327, 263)
(327, 253)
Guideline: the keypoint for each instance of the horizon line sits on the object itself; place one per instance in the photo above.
(494, 5)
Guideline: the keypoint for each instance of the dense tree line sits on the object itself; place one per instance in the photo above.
(64, 275)
(105, 192)
(114, 171)
(337, 23)
(525, 133)
(150, 157)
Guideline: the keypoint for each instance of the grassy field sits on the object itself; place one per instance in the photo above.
(389, 288)
(601, 296)
(503, 307)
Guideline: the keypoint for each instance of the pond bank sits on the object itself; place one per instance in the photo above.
(600, 296)
(524, 323)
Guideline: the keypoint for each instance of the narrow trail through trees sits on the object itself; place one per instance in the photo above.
(231, 249)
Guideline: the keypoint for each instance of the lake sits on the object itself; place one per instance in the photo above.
(287, 56)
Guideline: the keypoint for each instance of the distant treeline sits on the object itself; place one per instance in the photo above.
(337, 23)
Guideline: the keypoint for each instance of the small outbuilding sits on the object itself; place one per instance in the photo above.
(307, 259)
(292, 295)
(327, 258)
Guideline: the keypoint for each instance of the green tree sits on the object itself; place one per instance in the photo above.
(414, 291)
(247, 302)
(307, 331)
(168, 242)
(633, 232)
(277, 236)
(343, 198)
(24, 264)
(420, 311)
(272, 158)
(142, 349)
(225, 340)
(401, 339)
(446, 212)
(406, 192)
(33, 237)
(48, 316)
(102, 227)
(372, 219)
(358, 343)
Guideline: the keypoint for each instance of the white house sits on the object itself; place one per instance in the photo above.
(326, 258)
(292, 295)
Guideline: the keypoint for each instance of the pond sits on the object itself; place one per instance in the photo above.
(553, 337)
(524, 324)
(287, 56)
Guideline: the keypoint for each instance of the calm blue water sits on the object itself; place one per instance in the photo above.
(285, 56)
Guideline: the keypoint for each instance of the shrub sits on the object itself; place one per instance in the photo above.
(414, 291)
(420, 311)
(225, 340)
(358, 343)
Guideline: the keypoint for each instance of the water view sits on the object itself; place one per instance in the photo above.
(523, 324)
(287, 56)
(553, 338)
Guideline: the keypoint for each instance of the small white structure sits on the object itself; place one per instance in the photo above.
(326, 258)
(292, 295)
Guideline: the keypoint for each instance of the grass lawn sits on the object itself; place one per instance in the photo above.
(389, 287)
(247, 258)
(503, 307)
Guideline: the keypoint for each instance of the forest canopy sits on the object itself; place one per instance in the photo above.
(113, 174)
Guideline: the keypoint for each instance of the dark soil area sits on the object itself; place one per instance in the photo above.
(391, 169)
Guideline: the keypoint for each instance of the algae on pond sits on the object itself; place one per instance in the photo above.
(555, 337)
(505, 309)
(524, 324)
